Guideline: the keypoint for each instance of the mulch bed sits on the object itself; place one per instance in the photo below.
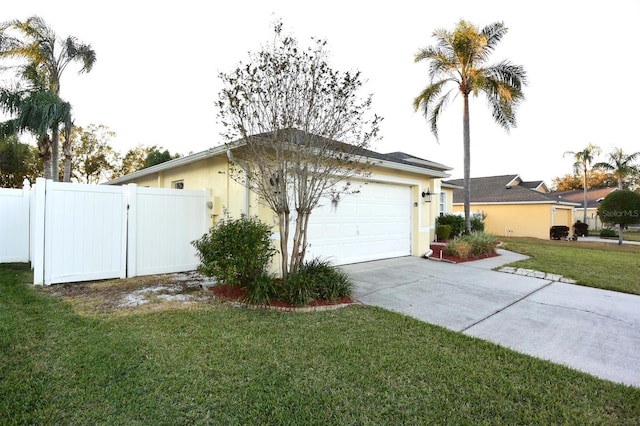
(440, 248)
(236, 294)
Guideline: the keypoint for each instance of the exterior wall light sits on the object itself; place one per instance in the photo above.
(426, 195)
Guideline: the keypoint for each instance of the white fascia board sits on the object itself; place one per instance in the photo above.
(169, 165)
(407, 168)
(565, 203)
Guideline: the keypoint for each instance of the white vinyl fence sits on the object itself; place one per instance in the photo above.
(14, 225)
(77, 232)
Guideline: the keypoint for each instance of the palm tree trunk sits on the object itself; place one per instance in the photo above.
(584, 217)
(55, 153)
(67, 169)
(44, 149)
(66, 149)
(467, 163)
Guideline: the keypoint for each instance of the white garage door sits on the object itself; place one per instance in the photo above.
(372, 224)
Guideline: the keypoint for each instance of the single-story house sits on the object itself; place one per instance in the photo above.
(514, 207)
(594, 196)
(392, 214)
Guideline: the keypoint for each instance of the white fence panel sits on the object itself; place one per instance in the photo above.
(14, 225)
(85, 232)
(162, 224)
(36, 209)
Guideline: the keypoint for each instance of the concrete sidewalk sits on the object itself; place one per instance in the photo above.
(592, 330)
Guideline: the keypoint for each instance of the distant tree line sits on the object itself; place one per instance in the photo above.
(93, 159)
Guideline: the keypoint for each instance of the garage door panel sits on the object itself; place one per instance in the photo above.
(373, 224)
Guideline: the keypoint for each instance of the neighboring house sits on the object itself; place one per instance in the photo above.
(513, 207)
(594, 196)
(392, 214)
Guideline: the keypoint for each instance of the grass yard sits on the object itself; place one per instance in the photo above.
(628, 236)
(213, 364)
(600, 265)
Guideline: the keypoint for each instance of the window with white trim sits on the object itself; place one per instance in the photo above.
(442, 206)
(177, 184)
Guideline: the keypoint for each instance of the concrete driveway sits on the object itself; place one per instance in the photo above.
(592, 330)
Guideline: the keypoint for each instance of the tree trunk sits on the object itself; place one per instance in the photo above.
(467, 163)
(67, 169)
(584, 217)
(283, 222)
(68, 155)
(44, 149)
(299, 241)
(619, 234)
(55, 157)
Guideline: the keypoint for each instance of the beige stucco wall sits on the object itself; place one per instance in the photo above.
(522, 220)
(225, 193)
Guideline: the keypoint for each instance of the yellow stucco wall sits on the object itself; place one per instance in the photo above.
(225, 193)
(522, 220)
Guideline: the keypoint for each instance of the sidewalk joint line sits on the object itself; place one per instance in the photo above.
(506, 307)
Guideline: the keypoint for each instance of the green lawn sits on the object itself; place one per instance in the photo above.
(628, 236)
(221, 365)
(593, 264)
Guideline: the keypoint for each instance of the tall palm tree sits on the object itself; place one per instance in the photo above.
(38, 112)
(46, 56)
(460, 59)
(621, 165)
(582, 160)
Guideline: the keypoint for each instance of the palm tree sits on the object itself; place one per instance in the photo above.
(459, 58)
(39, 113)
(582, 161)
(621, 165)
(47, 56)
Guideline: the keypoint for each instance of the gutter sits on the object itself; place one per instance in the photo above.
(212, 152)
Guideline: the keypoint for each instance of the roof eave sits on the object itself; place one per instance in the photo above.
(521, 202)
(212, 152)
(408, 168)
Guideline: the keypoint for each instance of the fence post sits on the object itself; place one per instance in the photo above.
(130, 237)
(37, 228)
(26, 190)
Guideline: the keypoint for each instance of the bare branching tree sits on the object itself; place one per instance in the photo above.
(284, 113)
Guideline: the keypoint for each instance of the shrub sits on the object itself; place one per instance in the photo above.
(299, 290)
(477, 224)
(236, 252)
(316, 279)
(443, 232)
(454, 221)
(608, 233)
(478, 244)
(261, 290)
(459, 248)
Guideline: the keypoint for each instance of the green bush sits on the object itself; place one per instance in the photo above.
(443, 232)
(236, 252)
(477, 224)
(261, 290)
(459, 248)
(608, 233)
(316, 279)
(299, 290)
(454, 221)
(478, 244)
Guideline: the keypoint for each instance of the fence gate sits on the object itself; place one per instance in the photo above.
(85, 232)
(77, 232)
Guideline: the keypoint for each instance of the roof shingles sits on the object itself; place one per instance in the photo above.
(496, 189)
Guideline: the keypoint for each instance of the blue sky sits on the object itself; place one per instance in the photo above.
(155, 80)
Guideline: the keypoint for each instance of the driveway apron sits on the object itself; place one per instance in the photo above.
(592, 330)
